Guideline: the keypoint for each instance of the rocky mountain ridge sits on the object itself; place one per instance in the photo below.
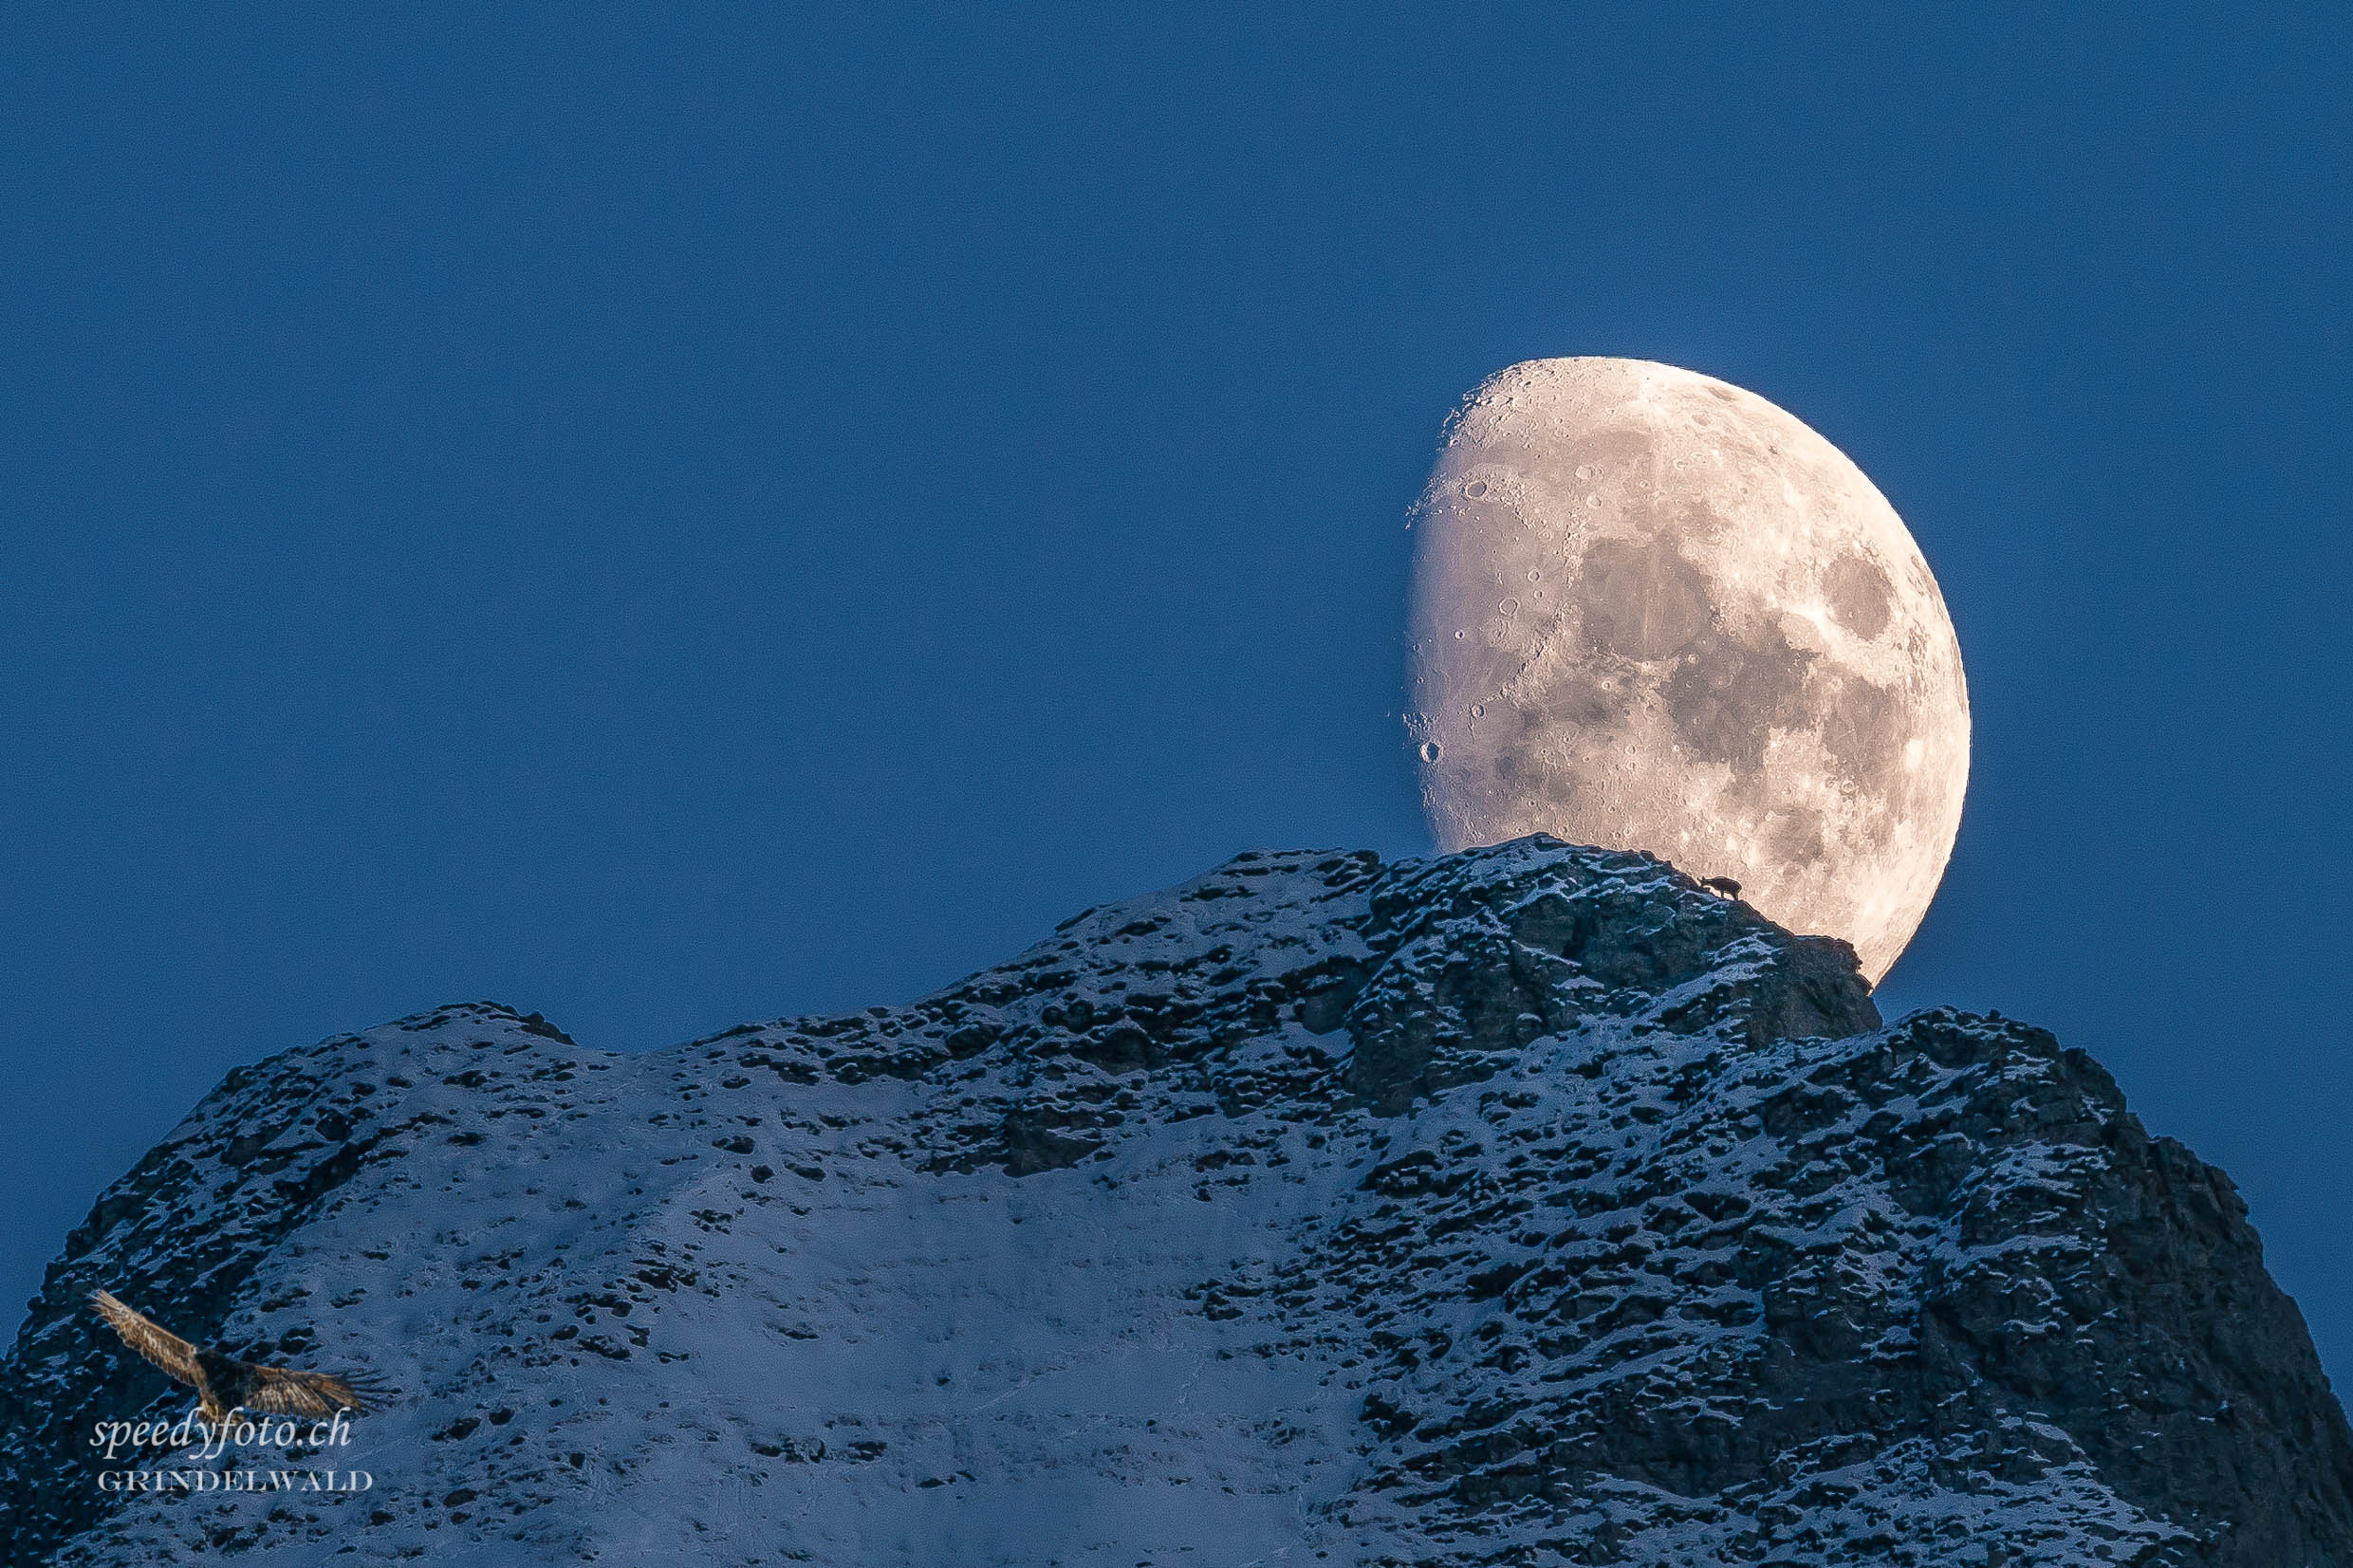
(1529, 1205)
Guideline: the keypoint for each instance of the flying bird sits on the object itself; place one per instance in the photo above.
(225, 1384)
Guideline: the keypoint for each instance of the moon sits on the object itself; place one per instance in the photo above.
(1653, 611)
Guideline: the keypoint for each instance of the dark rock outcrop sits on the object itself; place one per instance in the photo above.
(1523, 1206)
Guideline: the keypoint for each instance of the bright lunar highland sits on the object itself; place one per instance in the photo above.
(1653, 611)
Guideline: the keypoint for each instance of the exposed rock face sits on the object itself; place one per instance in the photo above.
(1529, 1205)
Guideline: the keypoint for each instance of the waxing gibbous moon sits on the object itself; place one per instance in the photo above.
(1653, 611)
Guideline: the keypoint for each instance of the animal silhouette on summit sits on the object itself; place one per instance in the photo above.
(225, 1385)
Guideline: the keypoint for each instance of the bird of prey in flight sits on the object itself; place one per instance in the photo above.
(225, 1384)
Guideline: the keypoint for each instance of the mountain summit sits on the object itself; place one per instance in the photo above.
(1529, 1205)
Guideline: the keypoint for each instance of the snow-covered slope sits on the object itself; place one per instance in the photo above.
(1529, 1205)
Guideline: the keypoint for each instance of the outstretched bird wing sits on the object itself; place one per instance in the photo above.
(282, 1391)
(167, 1350)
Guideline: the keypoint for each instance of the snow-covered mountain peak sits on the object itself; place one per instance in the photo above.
(1527, 1205)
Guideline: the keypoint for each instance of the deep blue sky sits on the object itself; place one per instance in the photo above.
(667, 520)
